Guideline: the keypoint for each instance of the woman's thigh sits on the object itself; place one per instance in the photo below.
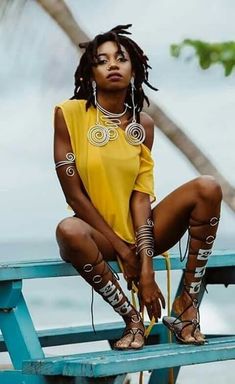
(73, 231)
(171, 216)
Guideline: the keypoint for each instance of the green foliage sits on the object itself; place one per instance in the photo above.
(209, 53)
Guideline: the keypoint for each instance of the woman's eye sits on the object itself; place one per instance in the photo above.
(100, 62)
(122, 59)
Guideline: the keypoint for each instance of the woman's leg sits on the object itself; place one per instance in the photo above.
(194, 206)
(87, 250)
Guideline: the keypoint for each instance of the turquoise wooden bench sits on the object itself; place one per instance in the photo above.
(25, 344)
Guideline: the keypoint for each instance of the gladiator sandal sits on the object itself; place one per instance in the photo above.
(98, 274)
(133, 336)
(200, 248)
(177, 324)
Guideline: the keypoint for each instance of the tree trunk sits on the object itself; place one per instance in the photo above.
(59, 11)
(196, 157)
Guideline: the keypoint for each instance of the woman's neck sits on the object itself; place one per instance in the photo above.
(112, 101)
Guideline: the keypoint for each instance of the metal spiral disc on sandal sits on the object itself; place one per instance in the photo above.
(135, 133)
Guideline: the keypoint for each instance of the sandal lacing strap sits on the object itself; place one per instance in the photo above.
(177, 325)
(130, 338)
(195, 322)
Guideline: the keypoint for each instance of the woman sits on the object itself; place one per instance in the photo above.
(104, 164)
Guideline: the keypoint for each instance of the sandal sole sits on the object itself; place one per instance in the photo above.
(171, 328)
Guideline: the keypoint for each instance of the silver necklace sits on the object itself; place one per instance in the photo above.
(111, 114)
(106, 130)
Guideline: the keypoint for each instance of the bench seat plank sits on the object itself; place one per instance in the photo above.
(57, 267)
(106, 363)
(83, 333)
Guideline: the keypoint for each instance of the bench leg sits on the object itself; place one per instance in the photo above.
(17, 329)
(166, 375)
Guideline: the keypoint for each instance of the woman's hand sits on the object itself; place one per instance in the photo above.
(151, 296)
(131, 266)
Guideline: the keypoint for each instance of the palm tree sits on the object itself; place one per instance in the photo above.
(59, 11)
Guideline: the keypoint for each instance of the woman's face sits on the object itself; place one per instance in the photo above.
(114, 69)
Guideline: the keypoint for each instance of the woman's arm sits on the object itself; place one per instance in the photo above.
(74, 191)
(150, 293)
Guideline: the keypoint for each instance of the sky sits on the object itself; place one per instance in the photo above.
(37, 66)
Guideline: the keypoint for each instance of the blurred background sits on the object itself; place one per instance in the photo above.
(37, 65)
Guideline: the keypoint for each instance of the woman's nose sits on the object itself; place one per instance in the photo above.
(112, 65)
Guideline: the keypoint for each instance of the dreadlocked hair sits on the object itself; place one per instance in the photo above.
(83, 74)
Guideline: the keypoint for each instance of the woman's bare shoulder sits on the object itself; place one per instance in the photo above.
(148, 125)
(145, 119)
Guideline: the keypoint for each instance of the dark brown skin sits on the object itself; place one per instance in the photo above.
(198, 199)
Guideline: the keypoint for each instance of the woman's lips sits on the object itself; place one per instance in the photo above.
(114, 76)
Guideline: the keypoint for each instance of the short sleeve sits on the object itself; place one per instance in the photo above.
(145, 179)
(72, 111)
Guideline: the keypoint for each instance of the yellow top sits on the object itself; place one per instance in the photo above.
(109, 173)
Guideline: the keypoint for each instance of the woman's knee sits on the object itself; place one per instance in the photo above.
(208, 188)
(71, 232)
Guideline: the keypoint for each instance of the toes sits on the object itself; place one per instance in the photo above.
(188, 335)
(195, 337)
(189, 340)
(138, 342)
(200, 338)
(124, 342)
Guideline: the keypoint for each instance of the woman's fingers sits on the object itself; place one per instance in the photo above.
(152, 297)
(149, 310)
(155, 308)
(155, 311)
(129, 284)
(162, 299)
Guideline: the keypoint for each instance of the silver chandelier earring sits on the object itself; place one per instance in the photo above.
(97, 135)
(135, 133)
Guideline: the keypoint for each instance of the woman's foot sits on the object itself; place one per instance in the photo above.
(185, 325)
(133, 336)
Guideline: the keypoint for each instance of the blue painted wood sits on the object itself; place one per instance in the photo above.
(105, 363)
(10, 292)
(150, 359)
(77, 334)
(162, 376)
(56, 268)
(54, 365)
(16, 377)
(19, 334)
(18, 330)
(81, 334)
